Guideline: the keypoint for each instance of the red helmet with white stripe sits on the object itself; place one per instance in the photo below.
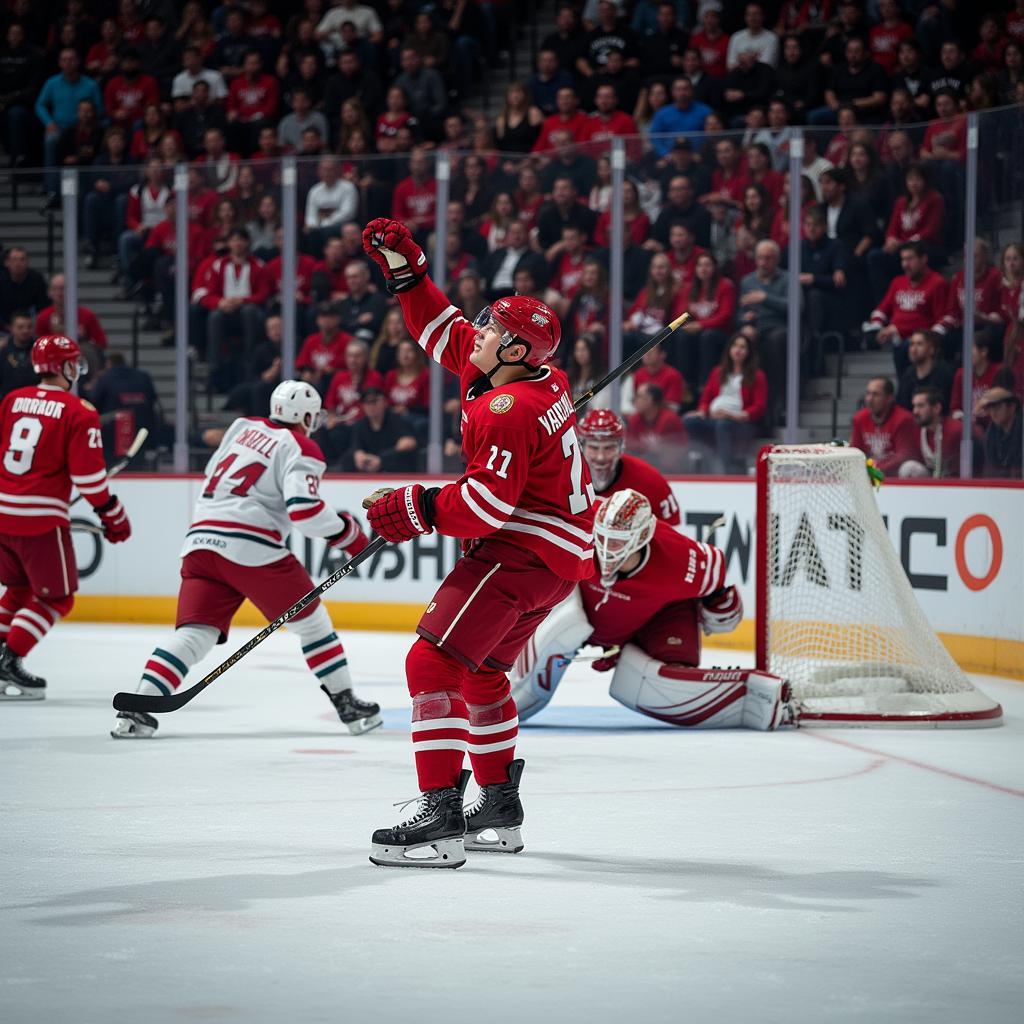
(623, 524)
(527, 321)
(51, 354)
(603, 437)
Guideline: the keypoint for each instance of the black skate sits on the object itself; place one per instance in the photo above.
(134, 725)
(431, 838)
(359, 715)
(494, 820)
(15, 682)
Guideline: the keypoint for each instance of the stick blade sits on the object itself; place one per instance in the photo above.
(148, 702)
(140, 440)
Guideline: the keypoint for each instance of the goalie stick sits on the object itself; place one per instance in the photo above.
(156, 705)
(122, 463)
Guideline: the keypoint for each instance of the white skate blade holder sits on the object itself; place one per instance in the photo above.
(505, 840)
(443, 853)
(13, 692)
(361, 725)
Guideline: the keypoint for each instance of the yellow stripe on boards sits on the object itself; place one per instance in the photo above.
(988, 655)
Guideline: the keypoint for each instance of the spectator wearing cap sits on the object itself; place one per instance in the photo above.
(937, 451)
(362, 310)
(754, 39)
(1003, 439)
(383, 440)
(128, 93)
(323, 353)
(684, 114)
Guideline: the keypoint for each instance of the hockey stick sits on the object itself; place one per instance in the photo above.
(122, 463)
(156, 705)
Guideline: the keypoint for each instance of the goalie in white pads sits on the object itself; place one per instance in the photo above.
(657, 590)
(262, 480)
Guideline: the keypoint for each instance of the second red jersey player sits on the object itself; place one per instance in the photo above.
(524, 500)
(603, 435)
(49, 441)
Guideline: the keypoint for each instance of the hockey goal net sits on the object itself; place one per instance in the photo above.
(836, 613)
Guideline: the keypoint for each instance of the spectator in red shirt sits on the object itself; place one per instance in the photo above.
(989, 51)
(917, 216)
(342, 403)
(90, 336)
(711, 42)
(654, 432)
(302, 288)
(682, 254)
(128, 94)
(407, 385)
(983, 374)
(884, 431)
(914, 301)
(711, 300)
(731, 407)
(937, 452)
(884, 39)
(323, 353)
(655, 369)
(252, 103)
(988, 316)
(565, 278)
(414, 199)
(607, 120)
(636, 223)
(157, 265)
(567, 117)
(729, 180)
(588, 310)
(658, 303)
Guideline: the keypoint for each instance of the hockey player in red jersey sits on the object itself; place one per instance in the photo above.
(603, 435)
(262, 480)
(523, 502)
(49, 440)
(656, 592)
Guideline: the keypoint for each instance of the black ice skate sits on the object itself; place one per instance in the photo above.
(359, 715)
(431, 838)
(134, 725)
(15, 682)
(494, 820)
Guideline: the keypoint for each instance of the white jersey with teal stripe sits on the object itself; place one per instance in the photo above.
(262, 481)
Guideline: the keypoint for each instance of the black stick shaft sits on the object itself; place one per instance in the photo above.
(156, 705)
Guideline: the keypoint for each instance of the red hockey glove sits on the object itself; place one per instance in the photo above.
(722, 611)
(116, 527)
(351, 538)
(607, 663)
(402, 514)
(390, 245)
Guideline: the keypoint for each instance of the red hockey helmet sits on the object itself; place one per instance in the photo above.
(52, 352)
(600, 426)
(526, 321)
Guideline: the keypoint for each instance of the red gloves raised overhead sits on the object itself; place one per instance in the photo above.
(390, 245)
(401, 514)
(116, 527)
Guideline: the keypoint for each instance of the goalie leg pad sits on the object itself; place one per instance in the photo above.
(540, 667)
(699, 698)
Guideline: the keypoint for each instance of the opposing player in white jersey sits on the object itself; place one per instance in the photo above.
(603, 436)
(262, 480)
(656, 591)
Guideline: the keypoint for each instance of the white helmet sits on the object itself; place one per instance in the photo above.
(624, 523)
(295, 401)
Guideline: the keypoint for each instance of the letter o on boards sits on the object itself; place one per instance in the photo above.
(970, 524)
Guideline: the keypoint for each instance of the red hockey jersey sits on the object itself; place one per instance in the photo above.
(49, 440)
(673, 568)
(526, 479)
(637, 475)
(912, 306)
(891, 442)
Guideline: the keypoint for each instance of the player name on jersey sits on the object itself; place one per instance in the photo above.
(38, 406)
(257, 441)
(559, 413)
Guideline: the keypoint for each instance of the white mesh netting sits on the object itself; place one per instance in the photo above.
(843, 624)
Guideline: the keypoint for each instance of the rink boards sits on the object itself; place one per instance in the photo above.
(962, 547)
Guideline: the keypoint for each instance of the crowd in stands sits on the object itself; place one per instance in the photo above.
(704, 93)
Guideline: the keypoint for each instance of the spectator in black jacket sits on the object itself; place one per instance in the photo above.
(681, 207)
(823, 278)
(859, 83)
(159, 51)
(926, 370)
(502, 265)
(126, 400)
(383, 441)
(198, 118)
(21, 287)
(563, 208)
(20, 72)
(1004, 439)
(851, 223)
(352, 81)
(750, 84)
(16, 353)
(106, 193)
(914, 77)
(80, 143)
(362, 311)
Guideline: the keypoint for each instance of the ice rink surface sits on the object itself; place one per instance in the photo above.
(219, 872)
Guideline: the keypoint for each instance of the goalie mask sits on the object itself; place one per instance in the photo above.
(296, 402)
(623, 525)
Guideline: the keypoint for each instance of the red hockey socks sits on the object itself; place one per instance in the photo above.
(493, 724)
(11, 600)
(440, 719)
(31, 622)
